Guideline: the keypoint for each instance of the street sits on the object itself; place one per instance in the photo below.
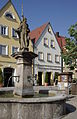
(71, 108)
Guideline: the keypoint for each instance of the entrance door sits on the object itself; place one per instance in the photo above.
(40, 78)
(49, 78)
(8, 72)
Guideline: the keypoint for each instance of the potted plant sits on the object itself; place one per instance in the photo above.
(46, 79)
(1, 78)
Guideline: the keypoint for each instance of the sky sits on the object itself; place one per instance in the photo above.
(60, 13)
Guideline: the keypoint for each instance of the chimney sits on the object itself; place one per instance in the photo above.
(57, 34)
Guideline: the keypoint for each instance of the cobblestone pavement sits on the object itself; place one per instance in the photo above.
(71, 107)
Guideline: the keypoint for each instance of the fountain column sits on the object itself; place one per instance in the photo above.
(24, 85)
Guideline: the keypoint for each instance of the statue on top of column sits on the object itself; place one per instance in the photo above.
(22, 32)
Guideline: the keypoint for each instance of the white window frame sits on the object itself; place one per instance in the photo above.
(52, 44)
(49, 57)
(41, 56)
(8, 12)
(6, 50)
(3, 30)
(15, 48)
(46, 42)
(15, 35)
(57, 58)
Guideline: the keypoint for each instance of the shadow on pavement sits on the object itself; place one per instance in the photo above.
(70, 108)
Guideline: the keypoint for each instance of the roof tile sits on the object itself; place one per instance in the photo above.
(35, 34)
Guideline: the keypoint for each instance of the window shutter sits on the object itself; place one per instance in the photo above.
(7, 31)
(17, 35)
(6, 50)
(0, 29)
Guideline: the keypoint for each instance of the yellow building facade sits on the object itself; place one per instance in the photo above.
(9, 42)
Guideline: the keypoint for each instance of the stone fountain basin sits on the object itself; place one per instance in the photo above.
(33, 108)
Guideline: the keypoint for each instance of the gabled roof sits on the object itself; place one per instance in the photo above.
(35, 34)
(10, 2)
(61, 40)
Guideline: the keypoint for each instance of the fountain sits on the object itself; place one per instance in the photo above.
(24, 57)
(24, 105)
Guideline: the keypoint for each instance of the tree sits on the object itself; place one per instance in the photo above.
(70, 56)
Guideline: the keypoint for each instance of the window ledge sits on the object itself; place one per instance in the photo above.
(52, 47)
(6, 36)
(41, 60)
(4, 55)
(49, 61)
(14, 20)
(57, 62)
(15, 38)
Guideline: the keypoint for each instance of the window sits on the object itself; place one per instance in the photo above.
(49, 57)
(46, 42)
(14, 34)
(57, 58)
(14, 49)
(49, 30)
(3, 30)
(40, 56)
(9, 15)
(3, 50)
(52, 43)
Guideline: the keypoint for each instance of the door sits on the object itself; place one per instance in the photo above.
(8, 72)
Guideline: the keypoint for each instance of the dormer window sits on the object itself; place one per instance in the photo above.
(9, 15)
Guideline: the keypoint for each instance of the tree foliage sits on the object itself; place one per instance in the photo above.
(70, 56)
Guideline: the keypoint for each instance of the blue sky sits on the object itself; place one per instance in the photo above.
(60, 13)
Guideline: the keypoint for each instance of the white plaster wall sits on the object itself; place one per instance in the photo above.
(39, 47)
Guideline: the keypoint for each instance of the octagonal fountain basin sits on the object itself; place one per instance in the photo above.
(48, 107)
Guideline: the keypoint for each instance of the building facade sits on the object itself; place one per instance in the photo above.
(9, 41)
(49, 53)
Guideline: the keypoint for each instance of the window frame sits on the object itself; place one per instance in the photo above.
(57, 61)
(50, 59)
(11, 14)
(14, 34)
(46, 44)
(15, 49)
(6, 50)
(52, 44)
(40, 53)
(3, 30)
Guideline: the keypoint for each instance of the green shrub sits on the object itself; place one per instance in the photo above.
(56, 75)
(74, 80)
(46, 78)
(1, 78)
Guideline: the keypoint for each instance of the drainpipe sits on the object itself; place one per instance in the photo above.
(61, 57)
(33, 41)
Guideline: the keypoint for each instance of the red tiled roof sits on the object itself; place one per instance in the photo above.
(35, 34)
(61, 41)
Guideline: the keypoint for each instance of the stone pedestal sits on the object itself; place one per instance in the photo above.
(23, 84)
